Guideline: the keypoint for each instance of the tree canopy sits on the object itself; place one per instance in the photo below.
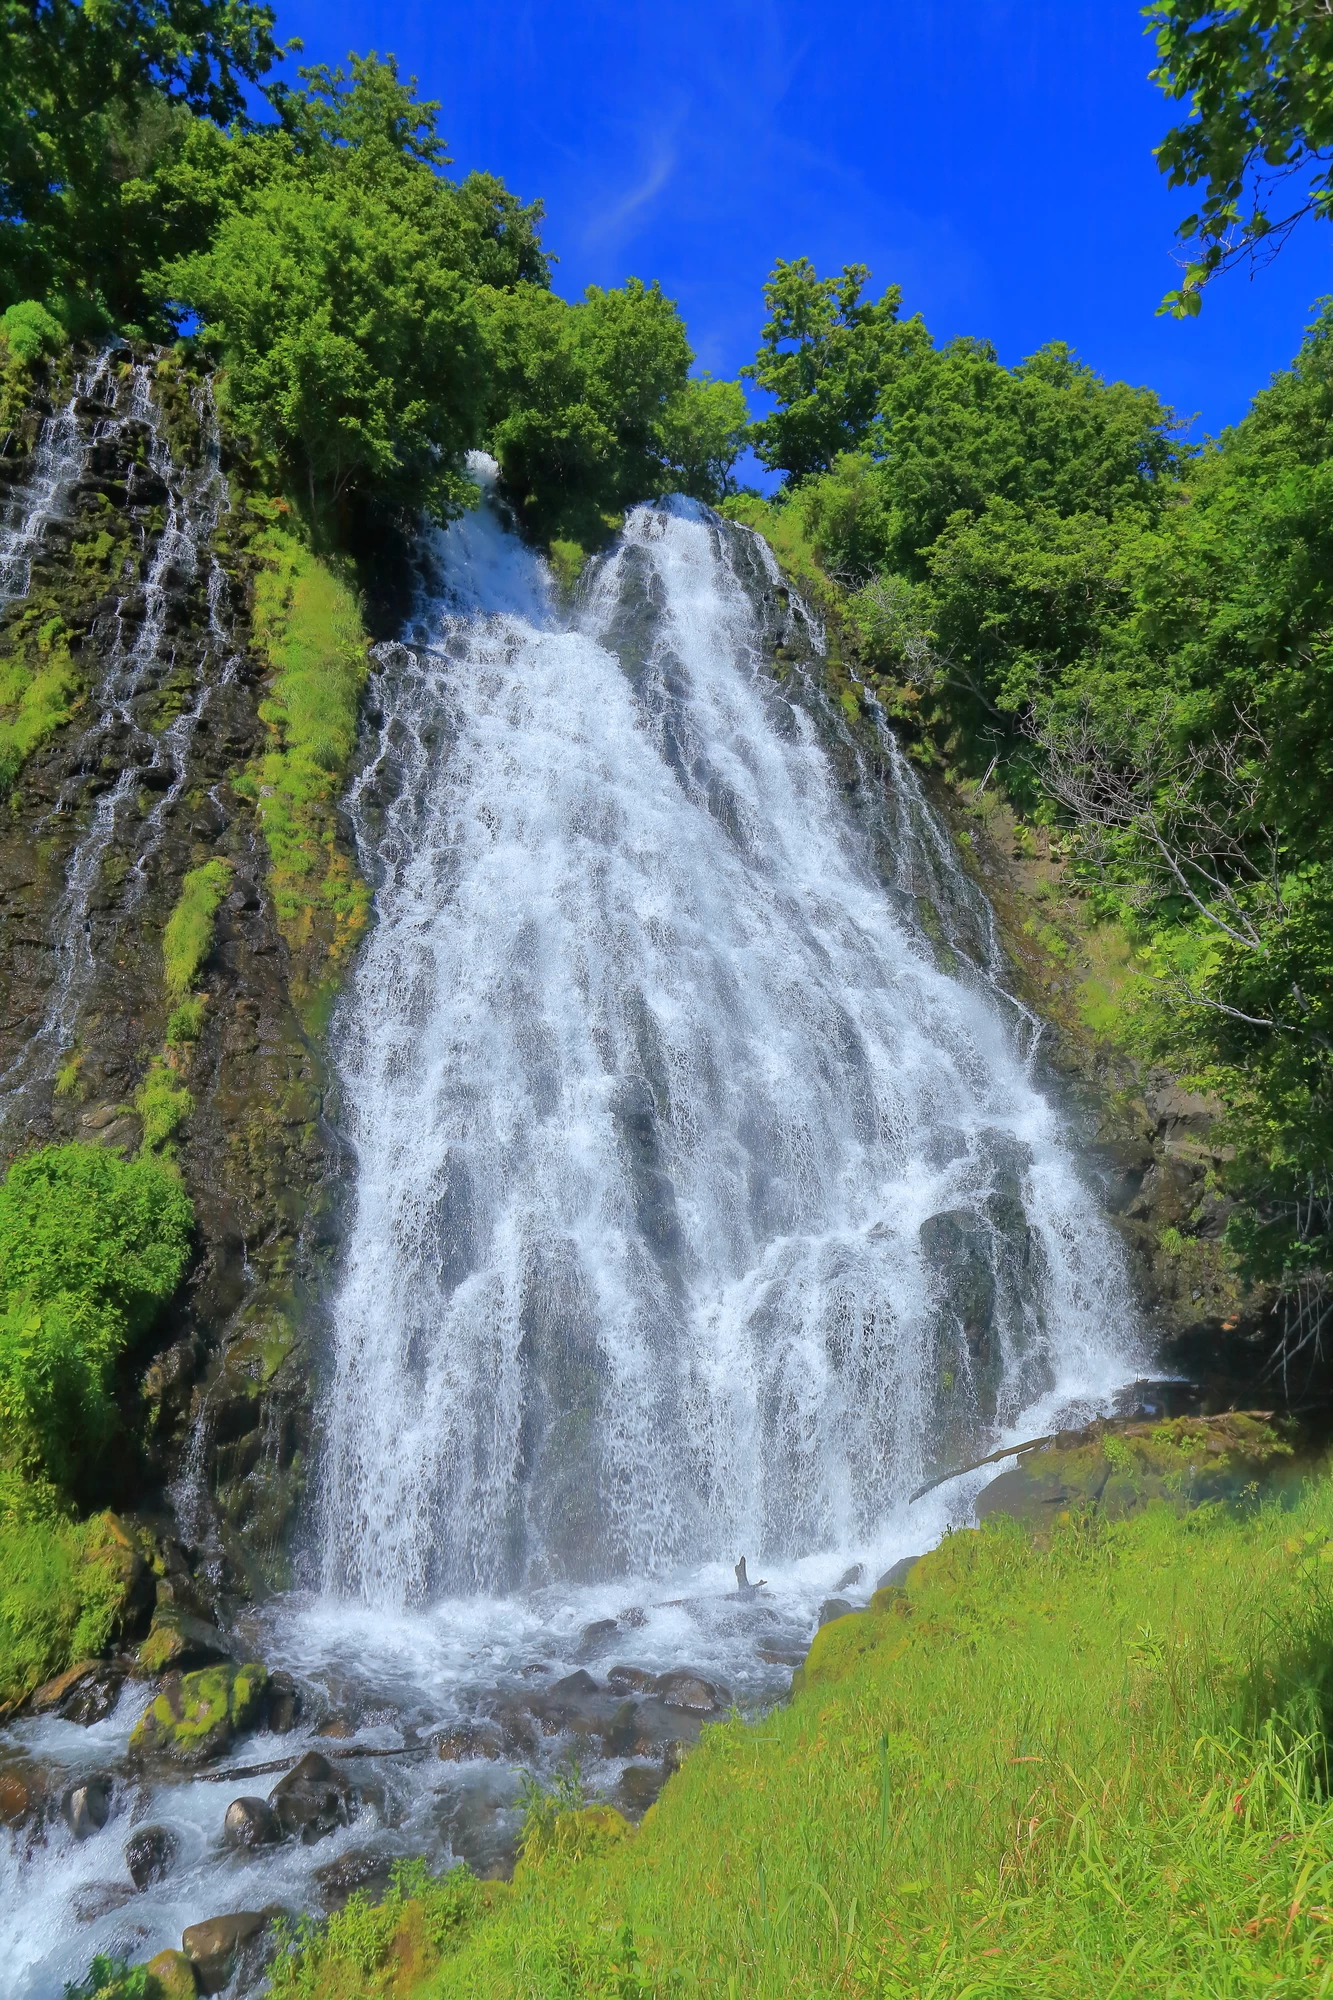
(89, 90)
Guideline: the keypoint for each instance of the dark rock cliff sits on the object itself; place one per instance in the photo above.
(129, 587)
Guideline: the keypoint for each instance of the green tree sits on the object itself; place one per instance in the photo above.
(1259, 79)
(352, 355)
(89, 91)
(579, 397)
(339, 284)
(956, 430)
(826, 357)
(704, 429)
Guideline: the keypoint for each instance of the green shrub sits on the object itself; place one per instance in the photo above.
(188, 937)
(31, 330)
(91, 1248)
(186, 1023)
(62, 1586)
(367, 1949)
(113, 1979)
(163, 1104)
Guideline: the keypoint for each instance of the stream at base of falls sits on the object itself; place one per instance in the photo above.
(703, 1204)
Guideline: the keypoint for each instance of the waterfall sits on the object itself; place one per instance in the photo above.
(62, 450)
(699, 1204)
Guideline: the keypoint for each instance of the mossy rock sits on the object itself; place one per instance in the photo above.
(171, 1977)
(177, 1640)
(839, 1646)
(1119, 1469)
(198, 1716)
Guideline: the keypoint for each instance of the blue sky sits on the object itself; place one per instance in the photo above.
(991, 156)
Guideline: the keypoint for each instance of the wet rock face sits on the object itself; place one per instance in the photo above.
(143, 574)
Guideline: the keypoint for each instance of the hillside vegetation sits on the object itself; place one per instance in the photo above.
(1090, 1763)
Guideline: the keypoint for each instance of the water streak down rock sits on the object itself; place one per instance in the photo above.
(656, 1088)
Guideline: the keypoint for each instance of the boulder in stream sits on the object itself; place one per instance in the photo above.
(638, 1786)
(596, 1638)
(149, 1854)
(467, 1740)
(217, 1948)
(364, 1869)
(177, 1640)
(683, 1688)
(284, 1704)
(897, 1572)
(85, 1806)
(637, 1680)
(85, 1693)
(198, 1716)
(313, 1799)
(573, 1685)
(174, 1973)
(24, 1790)
(250, 1823)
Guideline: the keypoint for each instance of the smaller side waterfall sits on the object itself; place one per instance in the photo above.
(142, 652)
(697, 1208)
(28, 510)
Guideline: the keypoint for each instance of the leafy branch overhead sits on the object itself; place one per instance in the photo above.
(1259, 81)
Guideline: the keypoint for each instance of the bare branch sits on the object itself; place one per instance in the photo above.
(1195, 814)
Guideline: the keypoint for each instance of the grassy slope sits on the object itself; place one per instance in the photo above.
(1037, 1771)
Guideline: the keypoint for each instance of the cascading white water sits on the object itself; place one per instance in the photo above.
(64, 444)
(696, 1208)
(140, 656)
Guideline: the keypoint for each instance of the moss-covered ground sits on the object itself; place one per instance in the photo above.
(307, 622)
(1086, 1763)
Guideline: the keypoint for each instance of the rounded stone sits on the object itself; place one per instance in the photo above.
(149, 1853)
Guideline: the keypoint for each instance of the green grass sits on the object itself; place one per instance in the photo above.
(782, 528)
(410, 1930)
(308, 623)
(188, 937)
(162, 1101)
(1093, 1768)
(39, 688)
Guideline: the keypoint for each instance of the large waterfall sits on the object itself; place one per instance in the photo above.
(703, 1199)
(698, 1207)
